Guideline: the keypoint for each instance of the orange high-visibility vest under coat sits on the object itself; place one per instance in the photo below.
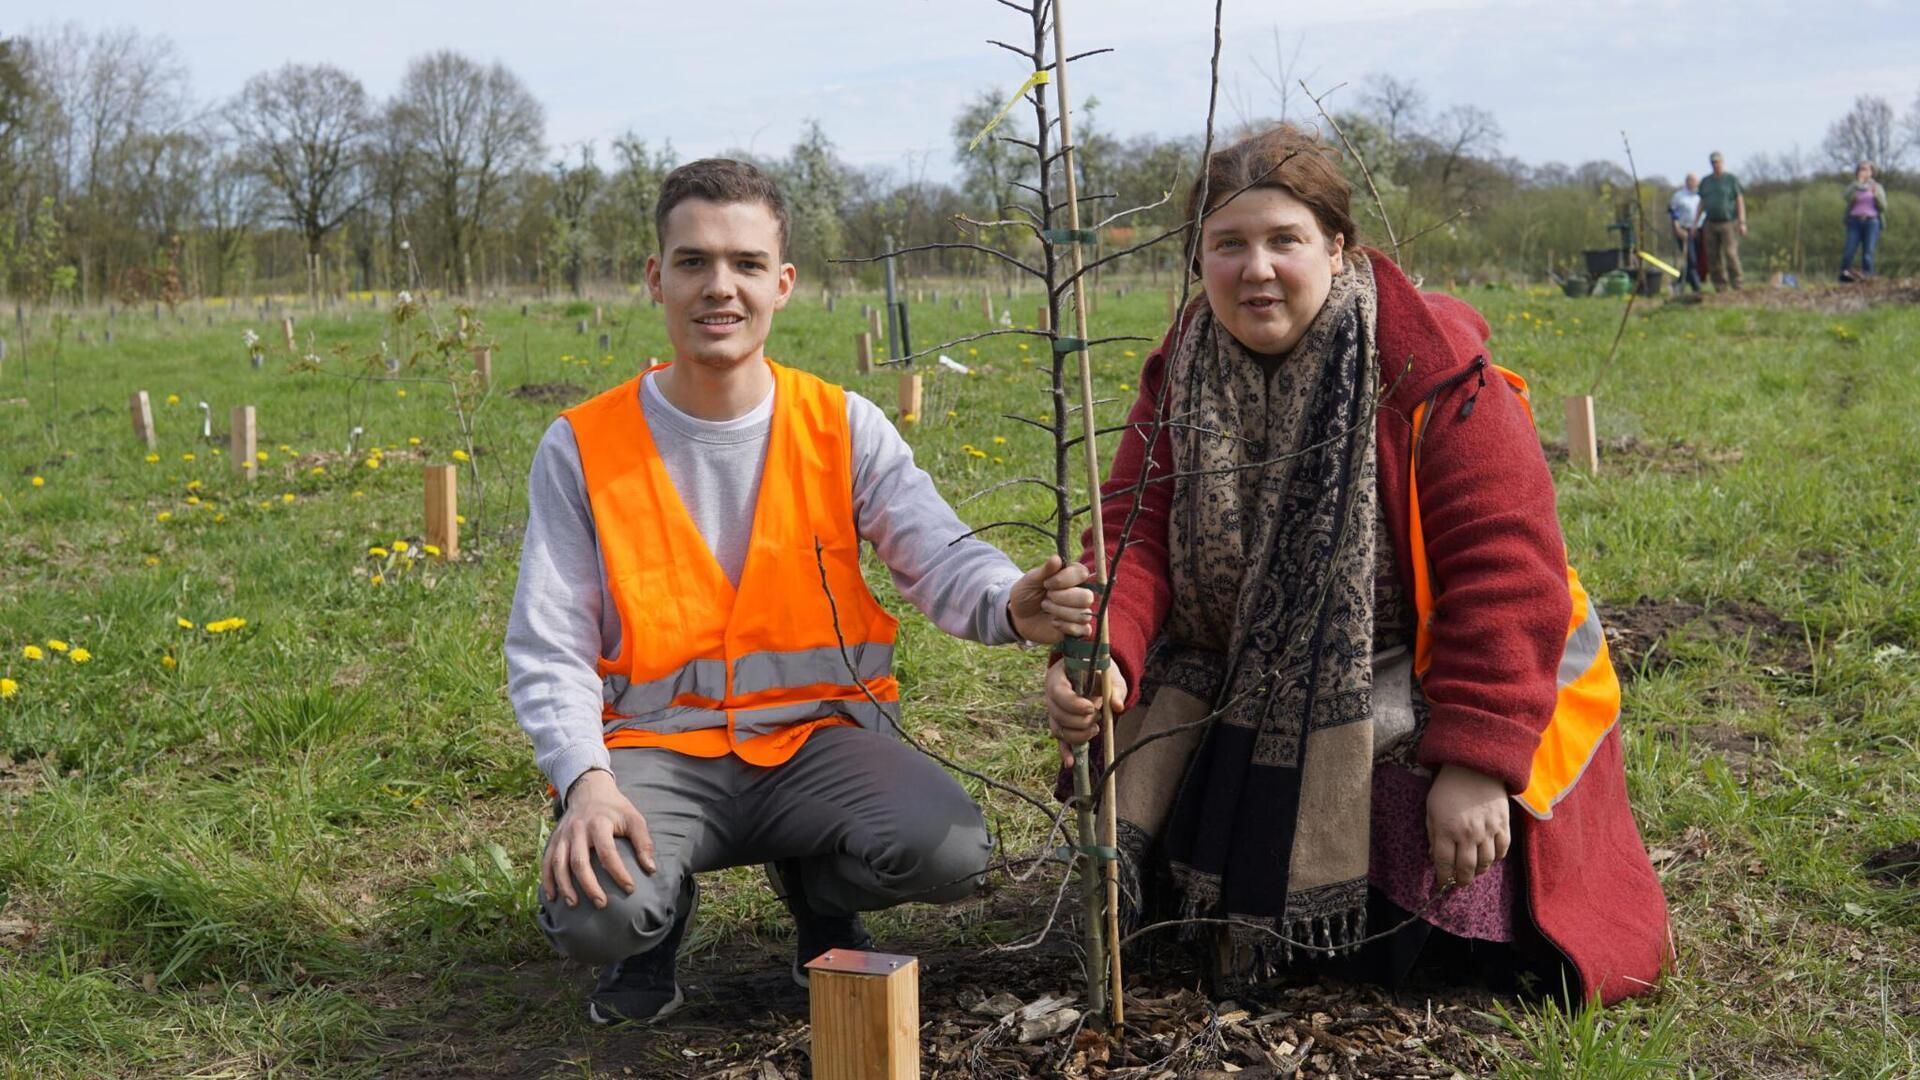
(709, 669)
(1588, 704)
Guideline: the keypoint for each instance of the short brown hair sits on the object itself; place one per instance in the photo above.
(1284, 157)
(720, 180)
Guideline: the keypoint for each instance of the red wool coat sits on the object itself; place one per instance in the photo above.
(1500, 624)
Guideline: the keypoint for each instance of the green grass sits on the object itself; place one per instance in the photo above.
(293, 847)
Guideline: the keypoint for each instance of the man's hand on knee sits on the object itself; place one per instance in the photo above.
(597, 813)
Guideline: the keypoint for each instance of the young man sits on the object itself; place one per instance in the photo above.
(693, 651)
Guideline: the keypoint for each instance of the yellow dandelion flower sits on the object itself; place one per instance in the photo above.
(431, 549)
(459, 455)
(193, 500)
(153, 459)
(38, 481)
(32, 652)
(264, 504)
(372, 462)
(973, 352)
(317, 471)
(216, 451)
(186, 457)
(261, 455)
(1127, 353)
(976, 453)
(413, 440)
(1124, 388)
(224, 625)
(184, 623)
(168, 662)
(287, 498)
(218, 518)
(999, 461)
(79, 656)
(154, 560)
(401, 545)
(377, 579)
(1023, 346)
(908, 418)
(57, 645)
(377, 552)
(285, 449)
(399, 393)
(173, 399)
(459, 519)
(164, 515)
(8, 688)
(359, 494)
(193, 485)
(951, 414)
(999, 440)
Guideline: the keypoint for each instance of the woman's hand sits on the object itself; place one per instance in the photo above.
(1072, 718)
(1046, 604)
(1467, 824)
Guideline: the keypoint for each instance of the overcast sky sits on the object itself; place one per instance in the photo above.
(885, 77)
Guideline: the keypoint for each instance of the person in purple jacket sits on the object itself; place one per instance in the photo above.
(1866, 216)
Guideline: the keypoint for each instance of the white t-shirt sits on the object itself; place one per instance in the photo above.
(1684, 207)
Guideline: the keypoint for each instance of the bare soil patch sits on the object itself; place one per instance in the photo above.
(558, 393)
(745, 1020)
(1634, 631)
(1829, 299)
(1898, 865)
(1675, 456)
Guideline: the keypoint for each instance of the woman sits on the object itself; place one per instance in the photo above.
(1866, 216)
(1330, 763)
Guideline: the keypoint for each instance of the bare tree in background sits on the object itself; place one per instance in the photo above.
(1866, 133)
(303, 129)
(1286, 75)
(473, 127)
(1398, 105)
(232, 201)
(1462, 133)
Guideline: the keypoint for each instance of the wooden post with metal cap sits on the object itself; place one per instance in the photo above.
(1116, 1003)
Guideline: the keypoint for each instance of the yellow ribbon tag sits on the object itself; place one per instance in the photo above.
(1038, 78)
(1670, 271)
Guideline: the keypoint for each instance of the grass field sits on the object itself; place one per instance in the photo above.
(305, 845)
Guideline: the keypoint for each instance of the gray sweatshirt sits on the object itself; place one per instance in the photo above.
(563, 617)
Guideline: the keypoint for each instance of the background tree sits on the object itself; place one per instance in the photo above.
(304, 128)
(1866, 133)
(472, 127)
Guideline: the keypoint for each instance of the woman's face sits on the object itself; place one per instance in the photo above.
(1267, 267)
(1863, 174)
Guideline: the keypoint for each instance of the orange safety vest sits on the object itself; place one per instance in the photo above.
(1588, 703)
(708, 669)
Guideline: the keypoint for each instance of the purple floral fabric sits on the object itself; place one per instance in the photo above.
(1400, 866)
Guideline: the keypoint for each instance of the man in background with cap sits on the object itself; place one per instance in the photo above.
(1723, 209)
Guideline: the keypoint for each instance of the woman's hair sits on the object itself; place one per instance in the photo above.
(1286, 158)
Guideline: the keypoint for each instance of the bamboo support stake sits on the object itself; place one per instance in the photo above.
(242, 440)
(142, 410)
(1116, 1003)
(443, 509)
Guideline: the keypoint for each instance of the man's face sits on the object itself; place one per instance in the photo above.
(1719, 166)
(1693, 182)
(719, 279)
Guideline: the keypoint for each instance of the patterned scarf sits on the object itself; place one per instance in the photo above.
(1272, 544)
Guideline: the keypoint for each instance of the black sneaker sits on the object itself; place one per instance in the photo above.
(817, 933)
(642, 988)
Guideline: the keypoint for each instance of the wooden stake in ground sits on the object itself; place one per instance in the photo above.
(863, 353)
(606, 342)
(1109, 964)
(443, 509)
(142, 411)
(1043, 319)
(865, 1009)
(483, 364)
(1583, 448)
(911, 396)
(286, 330)
(873, 324)
(241, 441)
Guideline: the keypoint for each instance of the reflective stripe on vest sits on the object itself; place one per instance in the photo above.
(708, 666)
(1587, 701)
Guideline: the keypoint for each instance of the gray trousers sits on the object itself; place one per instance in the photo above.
(873, 822)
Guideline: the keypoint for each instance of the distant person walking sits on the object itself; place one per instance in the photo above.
(1723, 209)
(1684, 209)
(1866, 216)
